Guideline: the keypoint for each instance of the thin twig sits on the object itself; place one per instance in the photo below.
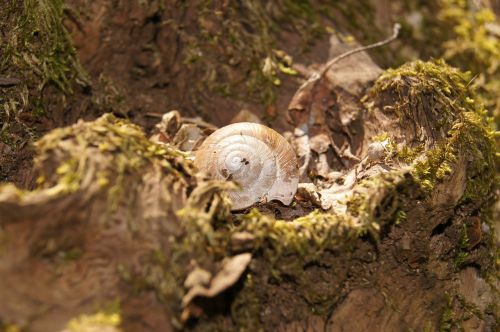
(330, 63)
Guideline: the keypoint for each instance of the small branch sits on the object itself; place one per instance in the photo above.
(330, 63)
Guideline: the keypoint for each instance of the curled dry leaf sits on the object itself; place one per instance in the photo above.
(232, 269)
(309, 192)
(183, 133)
(167, 127)
(197, 277)
(188, 137)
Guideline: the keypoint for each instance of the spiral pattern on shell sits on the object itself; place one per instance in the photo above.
(254, 156)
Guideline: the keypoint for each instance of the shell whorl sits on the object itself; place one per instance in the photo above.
(254, 156)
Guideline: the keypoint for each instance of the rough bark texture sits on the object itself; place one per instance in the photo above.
(393, 231)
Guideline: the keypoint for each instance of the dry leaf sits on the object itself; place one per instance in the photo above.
(232, 270)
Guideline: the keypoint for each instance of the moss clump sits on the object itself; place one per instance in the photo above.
(470, 141)
(470, 43)
(98, 157)
(401, 152)
(377, 200)
(306, 237)
(411, 83)
(38, 53)
(443, 95)
(462, 32)
(123, 142)
(457, 311)
(107, 319)
(285, 247)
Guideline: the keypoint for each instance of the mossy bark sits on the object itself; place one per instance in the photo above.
(117, 224)
(117, 218)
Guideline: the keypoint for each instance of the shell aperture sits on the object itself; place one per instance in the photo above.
(254, 156)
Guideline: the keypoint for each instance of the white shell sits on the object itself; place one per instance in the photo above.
(256, 157)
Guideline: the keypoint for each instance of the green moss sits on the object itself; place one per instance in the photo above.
(456, 312)
(123, 142)
(415, 81)
(400, 217)
(207, 237)
(306, 236)
(37, 50)
(447, 322)
(462, 32)
(100, 156)
(401, 152)
(71, 254)
(462, 249)
(450, 107)
(468, 43)
(471, 141)
(108, 318)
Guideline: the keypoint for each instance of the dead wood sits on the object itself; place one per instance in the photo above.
(391, 228)
(400, 236)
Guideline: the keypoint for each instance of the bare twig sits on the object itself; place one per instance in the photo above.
(330, 63)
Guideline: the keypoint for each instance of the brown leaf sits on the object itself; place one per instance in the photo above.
(231, 271)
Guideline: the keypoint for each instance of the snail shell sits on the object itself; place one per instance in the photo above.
(256, 157)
